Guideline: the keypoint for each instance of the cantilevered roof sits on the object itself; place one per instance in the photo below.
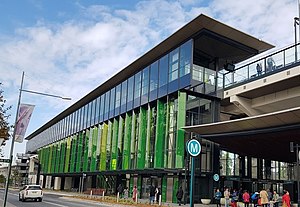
(185, 33)
(266, 136)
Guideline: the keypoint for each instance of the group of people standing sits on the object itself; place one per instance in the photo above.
(264, 198)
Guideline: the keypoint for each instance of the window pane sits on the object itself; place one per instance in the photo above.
(118, 96)
(145, 81)
(185, 58)
(173, 65)
(163, 71)
(154, 76)
(107, 97)
(112, 101)
(130, 89)
(124, 93)
(137, 85)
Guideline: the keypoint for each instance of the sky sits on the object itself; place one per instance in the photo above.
(70, 47)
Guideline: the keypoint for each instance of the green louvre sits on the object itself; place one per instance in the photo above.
(62, 156)
(160, 134)
(148, 144)
(50, 159)
(114, 146)
(133, 147)
(58, 151)
(108, 146)
(142, 138)
(164, 189)
(68, 153)
(52, 170)
(120, 142)
(79, 152)
(73, 153)
(175, 188)
(102, 165)
(98, 150)
(86, 151)
(94, 148)
(181, 114)
(127, 141)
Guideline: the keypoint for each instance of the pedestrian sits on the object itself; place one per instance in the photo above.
(152, 194)
(179, 195)
(235, 198)
(157, 194)
(275, 198)
(270, 196)
(126, 193)
(120, 190)
(264, 198)
(246, 198)
(286, 200)
(134, 193)
(259, 69)
(226, 196)
(254, 198)
(218, 196)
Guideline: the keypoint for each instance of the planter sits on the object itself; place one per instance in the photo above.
(205, 201)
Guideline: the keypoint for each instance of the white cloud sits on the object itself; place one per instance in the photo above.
(71, 58)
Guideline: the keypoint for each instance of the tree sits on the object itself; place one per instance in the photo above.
(4, 116)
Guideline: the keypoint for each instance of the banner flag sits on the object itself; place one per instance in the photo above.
(25, 112)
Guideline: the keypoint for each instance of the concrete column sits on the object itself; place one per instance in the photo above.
(48, 181)
(68, 183)
(57, 183)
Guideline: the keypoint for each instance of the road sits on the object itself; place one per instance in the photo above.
(49, 200)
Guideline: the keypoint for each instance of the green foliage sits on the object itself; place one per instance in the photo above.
(4, 116)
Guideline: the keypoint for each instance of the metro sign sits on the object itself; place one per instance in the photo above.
(194, 147)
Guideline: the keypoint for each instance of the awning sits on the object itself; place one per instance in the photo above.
(263, 136)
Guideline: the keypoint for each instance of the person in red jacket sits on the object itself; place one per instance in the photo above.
(246, 198)
(286, 200)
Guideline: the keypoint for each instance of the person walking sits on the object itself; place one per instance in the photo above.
(218, 196)
(275, 198)
(286, 200)
(125, 193)
(179, 195)
(264, 198)
(134, 193)
(254, 198)
(246, 198)
(226, 196)
(235, 198)
(157, 193)
(152, 194)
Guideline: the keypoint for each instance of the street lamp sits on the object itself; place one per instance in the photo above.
(14, 132)
(294, 147)
(296, 22)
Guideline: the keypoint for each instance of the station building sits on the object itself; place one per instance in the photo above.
(132, 129)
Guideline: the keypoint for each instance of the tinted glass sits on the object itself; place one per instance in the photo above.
(137, 85)
(34, 188)
(163, 71)
(173, 65)
(185, 58)
(145, 81)
(154, 76)
(124, 93)
(130, 89)
(118, 96)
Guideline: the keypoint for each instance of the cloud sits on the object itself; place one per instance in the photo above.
(73, 57)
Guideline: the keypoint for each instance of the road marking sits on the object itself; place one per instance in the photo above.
(55, 204)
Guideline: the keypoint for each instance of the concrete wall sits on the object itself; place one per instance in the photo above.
(68, 183)
(57, 183)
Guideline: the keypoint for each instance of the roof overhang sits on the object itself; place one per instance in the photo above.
(265, 136)
(190, 30)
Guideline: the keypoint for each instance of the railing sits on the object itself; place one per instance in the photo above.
(272, 63)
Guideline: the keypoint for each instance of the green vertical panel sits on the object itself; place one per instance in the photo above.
(73, 153)
(160, 135)
(90, 150)
(131, 185)
(58, 161)
(166, 139)
(94, 148)
(62, 157)
(99, 141)
(180, 132)
(120, 142)
(164, 189)
(52, 170)
(114, 146)
(50, 158)
(102, 165)
(139, 185)
(46, 160)
(79, 152)
(86, 151)
(108, 145)
(68, 153)
(133, 148)
(127, 140)
(148, 128)
(142, 138)
(175, 188)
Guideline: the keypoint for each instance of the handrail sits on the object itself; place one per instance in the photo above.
(265, 65)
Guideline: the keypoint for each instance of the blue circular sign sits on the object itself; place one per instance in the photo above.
(216, 177)
(194, 147)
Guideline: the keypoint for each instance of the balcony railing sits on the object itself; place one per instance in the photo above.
(262, 67)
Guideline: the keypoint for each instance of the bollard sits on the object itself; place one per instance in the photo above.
(118, 195)
(159, 200)
(91, 193)
(103, 195)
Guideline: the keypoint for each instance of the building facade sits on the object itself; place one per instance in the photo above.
(129, 130)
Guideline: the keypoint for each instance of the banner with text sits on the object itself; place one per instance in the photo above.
(25, 112)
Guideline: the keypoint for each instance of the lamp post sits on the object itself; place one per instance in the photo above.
(294, 147)
(14, 132)
(296, 22)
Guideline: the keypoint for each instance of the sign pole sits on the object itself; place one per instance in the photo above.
(192, 183)
(12, 144)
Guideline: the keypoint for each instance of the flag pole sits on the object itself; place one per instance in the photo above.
(12, 144)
